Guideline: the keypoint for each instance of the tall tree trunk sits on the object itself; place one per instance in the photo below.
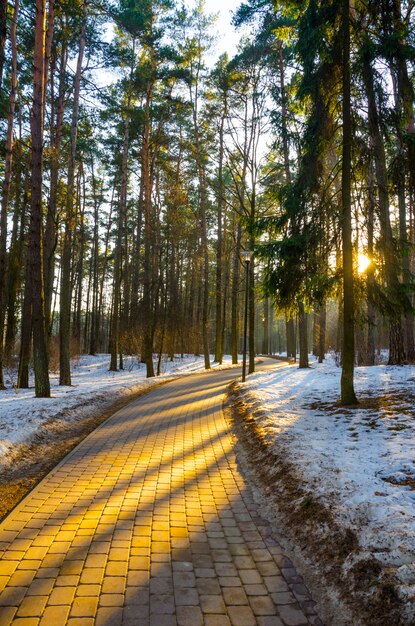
(322, 316)
(40, 355)
(302, 336)
(16, 256)
(347, 377)
(93, 343)
(50, 239)
(406, 139)
(265, 334)
(3, 35)
(65, 287)
(370, 279)
(6, 185)
(115, 326)
(236, 270)
(396, 300)
(290, 336)
(219, 251)
(251, 343)
(148, 241)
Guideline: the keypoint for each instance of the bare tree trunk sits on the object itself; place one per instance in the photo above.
(290, 335)
(16, 256)
(322, 333)
(50, 238)
(397, 300)
(40, 355)
(65, 287)
(148, 239)
(95, 279)
(115, 326)
(265, 334)
(234, 295)
(3, 35)
(219, 252)
(347, 377)
(6, 184)
(252, 316)
(302, 333)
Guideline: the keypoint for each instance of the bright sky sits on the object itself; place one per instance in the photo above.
(228, 37)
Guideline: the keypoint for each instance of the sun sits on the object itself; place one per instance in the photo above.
(363, 263)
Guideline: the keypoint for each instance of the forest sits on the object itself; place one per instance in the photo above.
(136, 168)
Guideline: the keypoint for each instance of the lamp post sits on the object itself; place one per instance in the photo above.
(247, 259)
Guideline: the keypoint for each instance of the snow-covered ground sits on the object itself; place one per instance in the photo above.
(360, 462)
(94, 388)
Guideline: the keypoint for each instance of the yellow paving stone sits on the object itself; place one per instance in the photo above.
(32, 606)
(8, 567)
(111, 599)
(55, 615)
(84, 606)
(41, 587)
(53, 560)
(88, 590)
(12, 596)
(62, 595)
(7, 614)
(116, 568)
(92, 575)
(22, 578)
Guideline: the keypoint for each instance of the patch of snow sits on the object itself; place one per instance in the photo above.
(358, 461)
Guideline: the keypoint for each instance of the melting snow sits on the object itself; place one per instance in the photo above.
(359, 461)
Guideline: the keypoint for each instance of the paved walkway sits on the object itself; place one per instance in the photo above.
(149, 522)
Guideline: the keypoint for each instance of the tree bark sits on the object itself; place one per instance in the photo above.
(35, 277)
(3, 35)
(347, 377)
(265, 334)
(219, 250)
(115, 326)
(322, 316)
(396, 300)
(302, 335)
(234, 296)
(65, 287)
(6, 184)
(290, 336)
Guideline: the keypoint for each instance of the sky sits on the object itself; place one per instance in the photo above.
(228, 37)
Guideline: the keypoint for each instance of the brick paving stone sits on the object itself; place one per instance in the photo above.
(54, 615)
(6, 614)
(189, 616)
(241, 616)
(292, 616)
(109, 616)
(216, 620)
(235, 596)
(149, 523)
(212, 604)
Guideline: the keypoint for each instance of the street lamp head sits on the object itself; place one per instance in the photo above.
(247, 254)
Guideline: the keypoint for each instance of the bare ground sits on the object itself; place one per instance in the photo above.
(350, 588)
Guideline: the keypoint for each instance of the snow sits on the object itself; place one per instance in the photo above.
(351, 459)
(94, 388)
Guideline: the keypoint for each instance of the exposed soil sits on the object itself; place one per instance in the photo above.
(50, 445)
(352, 588)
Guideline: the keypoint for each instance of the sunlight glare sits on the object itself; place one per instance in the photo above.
(363, 262)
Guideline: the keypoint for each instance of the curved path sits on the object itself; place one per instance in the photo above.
(149, 522)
